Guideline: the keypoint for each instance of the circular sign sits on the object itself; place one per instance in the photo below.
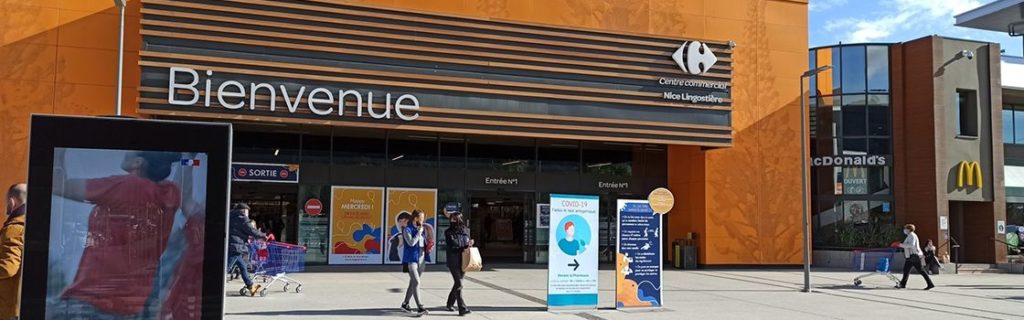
(284, 174)
(314, 207)
(241, 172)
(661, 200)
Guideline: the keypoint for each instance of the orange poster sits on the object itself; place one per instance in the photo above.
(357, 214)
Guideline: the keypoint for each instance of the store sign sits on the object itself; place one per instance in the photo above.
(694, 57)
(572, 259)
(638, 259)
(846, 161)
(972, 170)
(233, 95)
(265, 172)
(497, 181)
(613, 185)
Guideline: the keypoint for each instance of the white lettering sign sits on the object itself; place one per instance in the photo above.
(501, 181)
(838, 161)
(320, 101)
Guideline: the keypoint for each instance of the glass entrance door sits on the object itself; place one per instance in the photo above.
(497, 221)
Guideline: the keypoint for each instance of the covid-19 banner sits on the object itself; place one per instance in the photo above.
(401, 203)
(572, 253)
(638, 260)
(357, 217)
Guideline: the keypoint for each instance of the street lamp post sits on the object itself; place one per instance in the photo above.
(120, 53)
(804, 173)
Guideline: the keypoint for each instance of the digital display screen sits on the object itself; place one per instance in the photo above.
(126, 234)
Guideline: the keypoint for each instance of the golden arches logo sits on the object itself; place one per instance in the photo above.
(973, 171)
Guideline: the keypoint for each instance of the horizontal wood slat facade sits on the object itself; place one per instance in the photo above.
(471, 76)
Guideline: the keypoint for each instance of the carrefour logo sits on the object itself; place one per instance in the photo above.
(694, 57)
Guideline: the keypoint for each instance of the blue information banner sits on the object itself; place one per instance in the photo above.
(572, 257)
(639, 256)
(265, 172)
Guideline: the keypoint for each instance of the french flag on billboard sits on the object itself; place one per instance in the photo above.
(190, 162)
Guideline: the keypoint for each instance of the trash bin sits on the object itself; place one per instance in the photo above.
(689, 254)
(677, 254)
(689, 257)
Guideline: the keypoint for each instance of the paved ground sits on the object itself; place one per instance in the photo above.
(516, 292)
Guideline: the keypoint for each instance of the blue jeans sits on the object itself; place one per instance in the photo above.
(235, 259)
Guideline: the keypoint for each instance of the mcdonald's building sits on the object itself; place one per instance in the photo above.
(932, 113)
(492, 104)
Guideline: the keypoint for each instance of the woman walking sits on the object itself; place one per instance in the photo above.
(458, 240)
(412, 257)
(912, 252)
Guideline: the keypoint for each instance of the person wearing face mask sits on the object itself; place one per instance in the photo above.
(912, 252)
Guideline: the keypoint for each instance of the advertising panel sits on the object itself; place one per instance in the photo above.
(357, 214)
(121, 224)
(572, 257)
(401, 203)
(639, 256)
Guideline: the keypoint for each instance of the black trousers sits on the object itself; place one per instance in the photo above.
(914, 262)
(455, 266)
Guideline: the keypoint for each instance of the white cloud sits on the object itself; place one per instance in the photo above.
(822, 5)
(917, 17)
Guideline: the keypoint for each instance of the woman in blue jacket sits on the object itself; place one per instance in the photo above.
(412, 257)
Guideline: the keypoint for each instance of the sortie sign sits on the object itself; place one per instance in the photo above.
(265, 172)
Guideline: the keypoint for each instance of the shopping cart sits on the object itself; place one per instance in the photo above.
(272, 261)
(880, 259)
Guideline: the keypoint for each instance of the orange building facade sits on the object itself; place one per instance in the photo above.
(737, 191)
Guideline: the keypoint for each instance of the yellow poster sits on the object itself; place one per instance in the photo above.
(357, 214)
(401, 203)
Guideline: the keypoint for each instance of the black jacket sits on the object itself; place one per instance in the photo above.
(239, 232)
(457, 240)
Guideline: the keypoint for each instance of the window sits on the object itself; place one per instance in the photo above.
(878, 69)
(418, 150)
(1008, 124)
(967, 113)
(1018, 118)
(854, 78)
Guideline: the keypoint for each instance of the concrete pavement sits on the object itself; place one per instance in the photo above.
(518, 292)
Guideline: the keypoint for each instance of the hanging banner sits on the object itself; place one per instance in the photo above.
(572, 257)
(357, 214)
(401, 203)
(638, 261)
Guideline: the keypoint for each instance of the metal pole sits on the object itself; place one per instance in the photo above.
(120, 61)
(803, 184)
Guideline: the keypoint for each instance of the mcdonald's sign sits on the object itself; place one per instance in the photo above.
(973, 172)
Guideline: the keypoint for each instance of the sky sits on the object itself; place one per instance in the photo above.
(854, 21)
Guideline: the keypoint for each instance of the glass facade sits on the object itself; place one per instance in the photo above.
(1013, 124)
(458, 166)
(851, 116)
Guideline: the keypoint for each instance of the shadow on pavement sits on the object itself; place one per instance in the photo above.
(381, 312)
(346, 312)
(853, 287)
(987, 287)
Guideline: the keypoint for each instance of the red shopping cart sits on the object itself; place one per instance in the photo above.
(273, 261)
(878, 259)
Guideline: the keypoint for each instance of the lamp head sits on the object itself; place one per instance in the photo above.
(967, 54)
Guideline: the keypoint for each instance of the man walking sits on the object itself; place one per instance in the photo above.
(912, 252)
(240, 231)
(12, 244)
